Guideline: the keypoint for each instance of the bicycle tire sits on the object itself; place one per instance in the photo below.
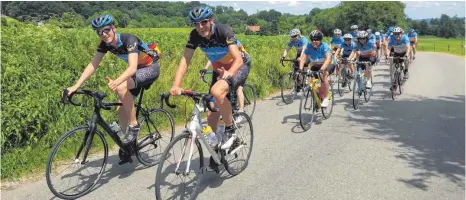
(367, 92)
(356, 95)
(400, 82)
(153, 136)
(393, 81)
(293, 86)
(341, 78)
(331, 97)
(159, 176)
(250, 97)
(48, 171)
(308, 97)
(240, 141)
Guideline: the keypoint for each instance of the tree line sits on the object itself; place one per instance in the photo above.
(374, 15)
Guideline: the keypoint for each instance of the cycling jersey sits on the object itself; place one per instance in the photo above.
(216, 48)
(299, 44)
(317, 56)
(355, 36)
(372, 37)
(412, 36)
(336, 42)
(131, 44)
(366, 50)
(378, 38)
(347, 49)
(243, 52)
(399, 47)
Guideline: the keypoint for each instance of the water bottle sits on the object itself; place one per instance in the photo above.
(210, 136)
(116, 128)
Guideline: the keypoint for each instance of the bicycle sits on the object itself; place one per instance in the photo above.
(397, 76)
(192, 139)
(291, 79)
(313, 98)
(342, 75)
(149, 136)
(249, 93)
(359, 84)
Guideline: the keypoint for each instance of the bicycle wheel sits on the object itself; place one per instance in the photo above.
(394, 83)
(367, 93)
(400, 82)
(356, 91)
(326, 112)
(76, 143)
(239, 153)
(288, 88)
(341, 78)
(307, 104)
(250, 96)
(174, 168)
(157, 130)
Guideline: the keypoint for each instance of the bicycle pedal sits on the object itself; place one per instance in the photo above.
(121, 162)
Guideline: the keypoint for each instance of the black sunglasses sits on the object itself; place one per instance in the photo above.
(203, 22)
(105, 30)
(294, 36)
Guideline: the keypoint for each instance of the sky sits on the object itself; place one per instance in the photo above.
(414, 9)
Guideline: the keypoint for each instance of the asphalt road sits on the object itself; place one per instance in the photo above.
(409, 148)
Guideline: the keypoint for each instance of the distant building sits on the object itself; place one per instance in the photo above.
(254, 28)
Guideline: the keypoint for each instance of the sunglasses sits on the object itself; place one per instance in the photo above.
(396, 33)
(347, 40)
(105, 30)
(294, 36)
(203, 22)
(315, 40)
(362, 38)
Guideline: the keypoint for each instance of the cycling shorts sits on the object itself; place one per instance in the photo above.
(144, 76)
(237, 80)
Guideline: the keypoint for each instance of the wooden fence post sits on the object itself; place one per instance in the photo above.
(448, 47)
(434, 46)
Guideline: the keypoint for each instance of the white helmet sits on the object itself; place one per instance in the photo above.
(337, 31)
(295, 32)
(377, 33)
(354, 27)
(397, 30)
(347, 36)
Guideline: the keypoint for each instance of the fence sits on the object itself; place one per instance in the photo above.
(458, 48)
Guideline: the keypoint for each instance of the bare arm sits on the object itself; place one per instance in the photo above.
(238, 60)
(208, 64)
(131, 70)
(286, 51)
(184, 62)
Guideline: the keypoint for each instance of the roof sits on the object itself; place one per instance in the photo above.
(254, 28)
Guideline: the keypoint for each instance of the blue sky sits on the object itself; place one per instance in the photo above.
(414, 9)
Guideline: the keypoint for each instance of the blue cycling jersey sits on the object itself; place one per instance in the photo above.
(400, 46)
(347, 49)
(298, 44)
(355, 35)
(378, 37)
(367, 49)
(317, 56)
(336, 42)
(412, 36)
(372, 38)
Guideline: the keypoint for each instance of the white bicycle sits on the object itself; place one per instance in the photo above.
(184, 157)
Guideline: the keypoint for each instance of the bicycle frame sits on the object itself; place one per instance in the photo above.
(314, 88)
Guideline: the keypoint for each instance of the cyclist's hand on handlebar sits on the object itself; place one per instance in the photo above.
(282, 58)
(72, 89)
(202, 72)
(175, 91)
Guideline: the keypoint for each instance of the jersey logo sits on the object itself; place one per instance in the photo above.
(131, 47)
(231, 40)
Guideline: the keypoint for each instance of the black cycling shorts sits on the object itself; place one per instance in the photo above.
(330, 68)
(237, 80)
(145, 75)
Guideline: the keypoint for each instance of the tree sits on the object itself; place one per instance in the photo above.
(423, 27)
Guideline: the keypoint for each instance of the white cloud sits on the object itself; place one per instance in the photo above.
(293, 3)
(437, 4)
(272, 2)
(236, 7)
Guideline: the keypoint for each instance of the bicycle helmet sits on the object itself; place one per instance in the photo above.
(316, 35)
(200, 13)
(390, 29)
(347, 36)
(101, 21)
(412, 30)
(295, 32)
(337, 31)
(397, 30)
(369, 31)
(363, 34)
(354, 27)
(377, 33)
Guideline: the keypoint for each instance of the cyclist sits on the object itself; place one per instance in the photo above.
(239, 91)
(354, 32)
(399, 47)
(378, 43)
(413, 40)
(336, 42)
(366, 52)
(383, 42)
(319, 54)
(219, 44)
(349, 52)
(142, 69)
(299, 43)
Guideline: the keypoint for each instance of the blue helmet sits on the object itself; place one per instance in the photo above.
(200, 13)
(101, 21)
(390, 29)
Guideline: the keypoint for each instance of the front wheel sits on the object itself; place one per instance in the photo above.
(83, 156)
(239, 153)
(288, 88)
(307, 104)
(157, 131)
(356, 90)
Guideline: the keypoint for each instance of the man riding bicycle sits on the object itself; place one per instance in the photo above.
(412, 35)
(336, 42)
(219, 44)
(399, 47)
(299, 43)
(366, 52)
(142, 69)
(348, 52)
(239, 91)
(378, 43)
(321, 58)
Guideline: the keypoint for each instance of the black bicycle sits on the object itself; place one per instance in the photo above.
(397, 76)
(87, 149)
(290, 81)
(249, 94)
(343, 74)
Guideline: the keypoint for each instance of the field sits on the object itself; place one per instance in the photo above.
(453, 46)
(39, 62)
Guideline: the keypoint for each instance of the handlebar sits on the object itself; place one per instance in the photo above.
(98, 97)
(205, 98)
(288, 60)
(203, 75)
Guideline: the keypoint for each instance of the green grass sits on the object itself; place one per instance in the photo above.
(435, 44)
(158, 30)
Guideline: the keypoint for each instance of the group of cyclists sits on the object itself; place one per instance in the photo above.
(230, 61)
